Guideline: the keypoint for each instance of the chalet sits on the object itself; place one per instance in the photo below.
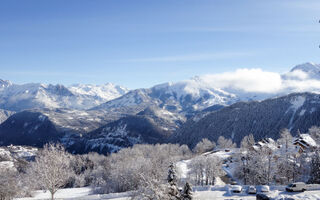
(265, 143)
(304, 142)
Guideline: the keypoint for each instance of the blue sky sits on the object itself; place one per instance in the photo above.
(141, 43)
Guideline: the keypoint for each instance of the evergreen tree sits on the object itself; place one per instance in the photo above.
(187, 192)
(172, 180)
(172, 175)
(315, 168)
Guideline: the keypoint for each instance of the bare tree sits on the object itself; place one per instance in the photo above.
(314, 132)
(51, 169)
(285, 139)
(8, 184)
(203, 146)
(247, 142)
(204, 169)
(224, 143)
(151, 188)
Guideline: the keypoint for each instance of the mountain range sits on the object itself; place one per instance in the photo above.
(107, 118)
(17, 98)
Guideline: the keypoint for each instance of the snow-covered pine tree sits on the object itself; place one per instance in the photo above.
(172, 175)
(187, 192)
(172, 180)
(315, 168)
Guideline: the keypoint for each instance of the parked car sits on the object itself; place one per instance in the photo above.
(236, 188)
(296, 187)
(252, 190)
(261, 196)
(265, 188)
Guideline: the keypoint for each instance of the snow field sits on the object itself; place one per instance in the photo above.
(84, 193)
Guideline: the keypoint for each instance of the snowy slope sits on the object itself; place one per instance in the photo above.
(106, 92)
(4, 115)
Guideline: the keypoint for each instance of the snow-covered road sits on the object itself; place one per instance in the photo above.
(276, 195)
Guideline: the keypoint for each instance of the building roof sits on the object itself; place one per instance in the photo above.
(305, 140)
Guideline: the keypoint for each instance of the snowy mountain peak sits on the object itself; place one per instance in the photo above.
(302, 72)
(307, 67)
(310, 70)
(193, 88)
(16, 97)
(107, 91)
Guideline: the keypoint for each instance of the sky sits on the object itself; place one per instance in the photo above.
(142, 43)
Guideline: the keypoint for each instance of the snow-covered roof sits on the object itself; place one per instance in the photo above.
(305, 140)
(266, 142)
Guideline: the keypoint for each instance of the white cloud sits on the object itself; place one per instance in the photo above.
(248, 80)
(260, 81)
(310, 85)
(297, 74)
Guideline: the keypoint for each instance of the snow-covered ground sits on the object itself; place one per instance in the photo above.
(200, 193)
(84, 193)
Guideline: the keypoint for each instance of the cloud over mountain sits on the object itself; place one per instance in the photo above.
(305, 77)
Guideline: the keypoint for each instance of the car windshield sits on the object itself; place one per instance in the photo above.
(290, 185)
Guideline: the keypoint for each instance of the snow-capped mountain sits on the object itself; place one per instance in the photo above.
(198, 93)
(106, 92)
(183, 97)
(311, 70)
(35, 95)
